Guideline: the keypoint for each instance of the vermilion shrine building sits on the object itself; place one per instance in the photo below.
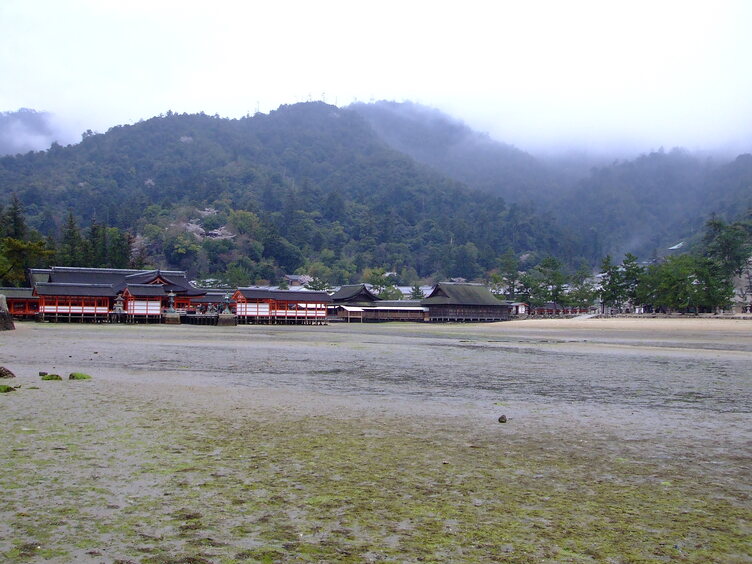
(122, 295)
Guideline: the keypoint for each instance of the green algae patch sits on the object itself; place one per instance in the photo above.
(51, 377)
(4, 388)
(78, 376)
(156, 484)
(327, 490)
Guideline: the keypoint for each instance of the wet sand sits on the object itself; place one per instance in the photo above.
(626, 440)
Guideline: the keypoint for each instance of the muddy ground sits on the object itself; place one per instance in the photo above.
(625, 441)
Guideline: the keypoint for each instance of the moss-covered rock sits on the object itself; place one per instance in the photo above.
(78, 376)
(4, 389)
(51, 377)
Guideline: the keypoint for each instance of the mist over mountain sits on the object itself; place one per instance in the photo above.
(29, 130)
(612, 204)
(452, 148)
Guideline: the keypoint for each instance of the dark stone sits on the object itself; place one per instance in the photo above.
(502, 419)
(226, 320)
(6, 321)
(5, 373)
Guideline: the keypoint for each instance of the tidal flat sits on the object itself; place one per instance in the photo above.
(626, 441)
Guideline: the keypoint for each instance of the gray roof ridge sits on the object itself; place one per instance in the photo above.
(90, 269)
(87, 284)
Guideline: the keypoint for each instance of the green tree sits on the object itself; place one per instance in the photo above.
(71, 250)
(509, 271)
(685, 283)
(631, 274)
(120, 247)
(318, 284)
(98, 246)
(416, 293)
(180, 248)
(14, 221)
(19, 255)
(531, 289)
(465, 261)
(552, 279)
(611, 291)
(582, 292)
(382, 284)
(730, 245)
(245, 222)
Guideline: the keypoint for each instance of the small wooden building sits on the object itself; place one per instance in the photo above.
(450, 301)
(553, 309)
(395, 310)
(22, 303)
(349, 301)
(262, 305)
(354, 294)
(144, 301)
(74, 302)
(177, 291)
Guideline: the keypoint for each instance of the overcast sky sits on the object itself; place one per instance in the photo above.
(590, 74)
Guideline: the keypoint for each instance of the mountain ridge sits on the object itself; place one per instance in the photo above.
(319, 177)
(323, 189)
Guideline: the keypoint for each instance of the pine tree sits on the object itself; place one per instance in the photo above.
(416, 293)
(15, 224)
(72, 247)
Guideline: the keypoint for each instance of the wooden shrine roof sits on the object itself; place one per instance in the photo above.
(285, 295)
(119, 278)
(146, 290)
(81, 290)
(354, 293)
(25, 293)
(453, 293)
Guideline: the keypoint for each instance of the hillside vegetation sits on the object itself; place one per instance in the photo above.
(309, 186)
(640, 206)
(337, 192)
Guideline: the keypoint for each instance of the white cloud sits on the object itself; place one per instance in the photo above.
(531, 73)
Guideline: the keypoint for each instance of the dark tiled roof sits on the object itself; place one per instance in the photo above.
(26, 293)
(146, 290)
(285, 295)
(57, 289)
(354, 293)
(450, 293)
(213, 295)
(39, 275)
(387, 304)
(119, 278)
(74, 275)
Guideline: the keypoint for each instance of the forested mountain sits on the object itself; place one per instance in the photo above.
(728, 191)
(645, 205)
(638, 206)
(334, 191)
(642, 205)
(308, 186)
(452, 148)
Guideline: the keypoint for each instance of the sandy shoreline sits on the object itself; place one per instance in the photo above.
(168, 424)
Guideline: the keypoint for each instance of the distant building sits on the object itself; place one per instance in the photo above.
(296, 280)
(261, 305)
(451, 301)
(22, 303)
(90, 294)
(446, 301)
